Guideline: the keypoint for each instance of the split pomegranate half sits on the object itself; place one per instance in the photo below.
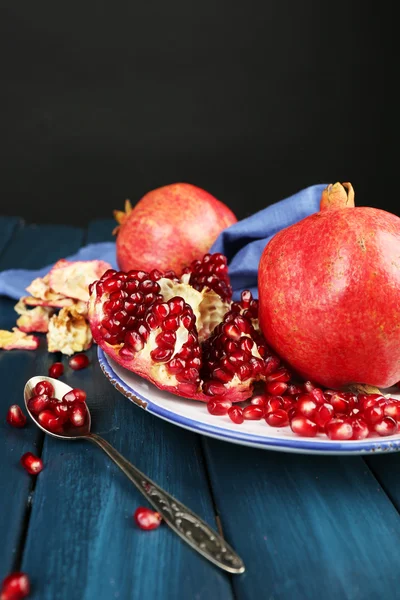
(183, 334)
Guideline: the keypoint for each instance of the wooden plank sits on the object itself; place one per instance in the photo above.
(84, 506)
(306, 526)
(386, 468)
(30, 247)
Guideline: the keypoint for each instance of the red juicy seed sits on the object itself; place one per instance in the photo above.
(149, 299)
(188, 320)
(143, 331)
(56, 370)
(272, 404)
(276, 388)
(31, 463)
(246, 298)
(222, 375)
(243, 324)
(187, 388)
(323, 414)
(49, 421)
(15, 417)
(78, 415)
(151, 321)
(244, 372)
(293, 390)
(44, 388)
(126, 353)
(61, 411)
(288, 402)
(388, 426)
(292, 412)
(112, 285)
(340, 404)
(257, 366)
(230, 346)
(235, 414)
(360, 428)
(155, 274)
(161, 354)
(111, 306)
(149, 287)
(147, 519)
(170, 324)
(367, 400)
(108, 274)
(258, 400)
(392, 409)
(308, 386)
(253, 413)
(130, 308)
(194, 362)
(226, 365)
(281, 374)
(110, 338)
(137, 297)
(246, 344)
(231, 331)
(272, 363)
(306, 406)
(214, 388)
(134, 339)
(15, 586)
(373, 414)
(190, 375)
(78, 362)
(176, 305)
(176, 365)
(111, 325)
(318, 395)
(74, 395)
(303, 426)
(218, 407)
(121, 316)
(339, 429)
(38, 403)
(279, 418)
(166, 338)
(132, 285)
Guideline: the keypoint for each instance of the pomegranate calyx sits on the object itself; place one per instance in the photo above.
(364, 388)
(121, 215)
(337, 195)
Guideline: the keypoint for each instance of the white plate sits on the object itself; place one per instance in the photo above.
(193, 415)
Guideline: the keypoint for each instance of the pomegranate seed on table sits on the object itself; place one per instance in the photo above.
(31, 463)
(78, 362)
(303, 426)
(253, 412)
(147, 519)
(15, 586)
(339, 429)
(218, 407)
(278, 418)
(235, 414)
(44, 388)
(15, 416)
(56, 370)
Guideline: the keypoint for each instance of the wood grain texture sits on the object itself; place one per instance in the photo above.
(29, 247)
(82, 542)
(307, 527)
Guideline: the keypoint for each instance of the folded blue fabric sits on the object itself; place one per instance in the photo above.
(242, 243)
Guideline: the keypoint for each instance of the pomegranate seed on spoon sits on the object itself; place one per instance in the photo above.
(31, 463)
(15, 416)
(15, 586)
(56, 370)
(37, 404)
(44, 388)
(147, 519)
(78, 362)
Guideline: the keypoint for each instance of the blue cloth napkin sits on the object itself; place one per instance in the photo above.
(242, 243)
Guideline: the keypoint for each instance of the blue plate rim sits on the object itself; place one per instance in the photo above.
(290, 445)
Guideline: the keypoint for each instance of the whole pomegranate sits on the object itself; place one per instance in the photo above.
(329, 293)
(169, 227)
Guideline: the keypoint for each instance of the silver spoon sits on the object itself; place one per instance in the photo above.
(193, 530)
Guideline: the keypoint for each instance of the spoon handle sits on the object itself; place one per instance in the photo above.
(193, 530)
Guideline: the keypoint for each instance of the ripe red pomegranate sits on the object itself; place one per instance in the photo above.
(169, 227)
(182, 334)
(329, 292)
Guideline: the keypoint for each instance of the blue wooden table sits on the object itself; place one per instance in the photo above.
(307, 527)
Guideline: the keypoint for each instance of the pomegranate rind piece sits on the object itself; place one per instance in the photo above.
(17, 340)
(43, 295)
(72, 279)
(69, 331)
(33, 320)
(54, 303)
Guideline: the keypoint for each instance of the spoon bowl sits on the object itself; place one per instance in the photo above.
(60, 388)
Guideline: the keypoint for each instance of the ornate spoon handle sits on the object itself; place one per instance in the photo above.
(193, 530)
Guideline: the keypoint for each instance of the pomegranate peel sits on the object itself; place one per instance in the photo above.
(33, 320)
(69, 331)
(329, 289)
(72, 279)
(17, 340)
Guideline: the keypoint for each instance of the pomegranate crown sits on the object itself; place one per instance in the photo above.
(121, 215)
(337, 195)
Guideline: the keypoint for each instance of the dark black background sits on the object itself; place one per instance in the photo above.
(252, 101)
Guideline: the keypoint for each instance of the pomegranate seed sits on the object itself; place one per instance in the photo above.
(373, 414)
(78, 362)
(189, 389)
(272, 404)
(171, 323)
(272, 363)
(292, 412)
(222, 375)
(253, 413)
(236, 414)
(214, 388)
(318, 395)
(309, 386)
(281, 374)
(218, 407)
(323, 414)
(56, 370)
(176, 305)
(368, 400)
(258, 400)
(293, 390)
(147, 519)
(306, 406)
(38, 403)
(392, 409)
(78, 415)
(339, 429)
(49, 421)
(44, 388)
(279, 418)
(61, 411)
(15, 416)
(161, 354)
(75, 395)
(388, 426)
(31, 463)
(340, 404)
(15, 587)
(276, 388)
(303, 426)
(360, 428)
(287, 401)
